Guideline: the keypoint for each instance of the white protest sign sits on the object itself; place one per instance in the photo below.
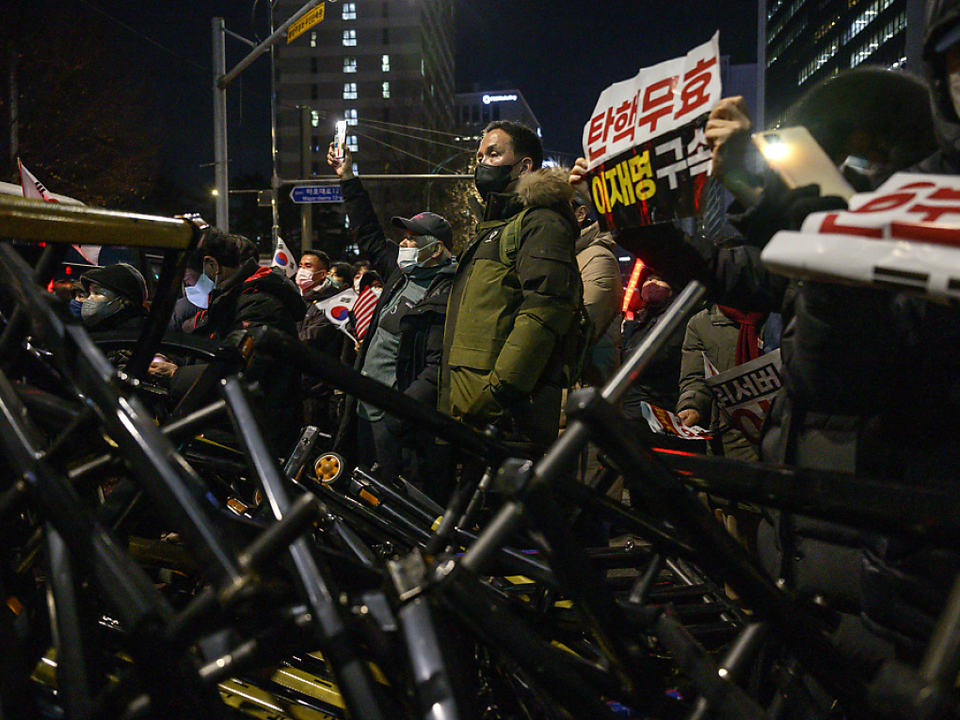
(905, 235)
(746, 392)
(646, 152)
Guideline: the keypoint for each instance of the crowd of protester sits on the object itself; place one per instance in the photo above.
(534, 304)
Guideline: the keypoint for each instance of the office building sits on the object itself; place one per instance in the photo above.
(474, 110)
(804, 41)
(384, 66)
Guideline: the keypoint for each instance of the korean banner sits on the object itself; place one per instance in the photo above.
(905, 236)
(746, 392)
(646, 154)
(665, 422)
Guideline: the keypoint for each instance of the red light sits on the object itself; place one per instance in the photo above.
(68, 270)
(50, 286)
(632, 285)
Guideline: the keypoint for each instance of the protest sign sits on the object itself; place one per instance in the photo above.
(647, 158)
(665, 422)
(746, 392)
(905, 235)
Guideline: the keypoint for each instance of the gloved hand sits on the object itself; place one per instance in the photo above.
(783, 209)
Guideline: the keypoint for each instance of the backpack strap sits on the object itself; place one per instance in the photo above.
(510, 240)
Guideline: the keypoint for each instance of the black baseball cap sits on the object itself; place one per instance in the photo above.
(427, 223)
(125, 280)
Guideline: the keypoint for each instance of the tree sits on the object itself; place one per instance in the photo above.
(83, 118)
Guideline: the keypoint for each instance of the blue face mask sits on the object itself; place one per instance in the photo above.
(74, 307)
(199, 294)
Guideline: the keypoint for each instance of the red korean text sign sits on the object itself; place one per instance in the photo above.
(647, 157)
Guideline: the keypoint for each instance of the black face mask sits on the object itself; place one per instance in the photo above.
(492, 178)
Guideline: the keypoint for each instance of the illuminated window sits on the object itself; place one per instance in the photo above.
(349, 11)
(349, 38)
(386, 89)
(313, 39)
(314, 118)
(385, 63)
(349, 65)
(352, 143)
(350, 115)
(350, 91)
(870, 46)
(423, 68)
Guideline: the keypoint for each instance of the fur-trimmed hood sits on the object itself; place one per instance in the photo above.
(546, 187)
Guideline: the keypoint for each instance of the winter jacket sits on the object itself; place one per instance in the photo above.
(511, 308)
(602, 300)
(711, 333)
(418, 358)
(659, 383)
(420, 327)
(316, 330)
(255, 297)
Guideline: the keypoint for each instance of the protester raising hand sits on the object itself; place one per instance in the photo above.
(343, 165)
(727, 133)
(578, 173)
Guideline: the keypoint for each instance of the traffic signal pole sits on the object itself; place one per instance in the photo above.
(221, 78)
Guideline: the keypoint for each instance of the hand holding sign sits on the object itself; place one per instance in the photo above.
(647, 156)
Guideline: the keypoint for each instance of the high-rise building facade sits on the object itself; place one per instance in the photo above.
(803, 41)
(384, 66)
(475, 110)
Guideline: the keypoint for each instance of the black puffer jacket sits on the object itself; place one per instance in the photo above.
(420, 327)
(255, 297)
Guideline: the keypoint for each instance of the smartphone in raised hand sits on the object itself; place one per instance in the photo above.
(340, 138)
(797, 158)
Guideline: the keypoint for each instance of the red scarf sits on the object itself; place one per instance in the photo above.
(748, 344)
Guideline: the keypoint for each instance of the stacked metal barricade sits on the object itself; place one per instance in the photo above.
(307, 589)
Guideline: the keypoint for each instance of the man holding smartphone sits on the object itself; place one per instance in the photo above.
(403, 343)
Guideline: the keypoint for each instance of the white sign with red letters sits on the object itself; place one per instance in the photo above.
(905, 235)
(647, 157)
(658, 99)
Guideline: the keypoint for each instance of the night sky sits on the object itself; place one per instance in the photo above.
(560, 54)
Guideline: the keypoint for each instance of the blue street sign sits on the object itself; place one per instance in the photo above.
(316, 194)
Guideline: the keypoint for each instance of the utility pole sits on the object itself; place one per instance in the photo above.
(306, 210)
(220, 157)
(221, 79)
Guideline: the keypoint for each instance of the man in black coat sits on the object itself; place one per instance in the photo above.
(404, 342)
(245, 297)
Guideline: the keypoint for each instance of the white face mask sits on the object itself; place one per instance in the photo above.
(199, 294)
(953, 79)
(407, 257)
(413, 257)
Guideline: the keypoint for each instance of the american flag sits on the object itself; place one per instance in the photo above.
(363, 309)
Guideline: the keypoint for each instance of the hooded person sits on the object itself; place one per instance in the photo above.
(115, 298)
(403, 343)
(941, 56)
(515, 299)
(244, 297)
(905, 585)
